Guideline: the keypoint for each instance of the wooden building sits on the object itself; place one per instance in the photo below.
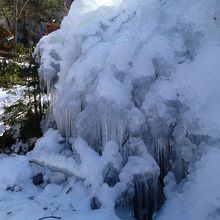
(6, 41)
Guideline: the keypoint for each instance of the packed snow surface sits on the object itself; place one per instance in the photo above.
(135, 98)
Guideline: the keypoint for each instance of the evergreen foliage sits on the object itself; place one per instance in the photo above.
(22, 118)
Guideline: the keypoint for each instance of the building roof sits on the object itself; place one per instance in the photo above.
(50, 27)
(5, 39)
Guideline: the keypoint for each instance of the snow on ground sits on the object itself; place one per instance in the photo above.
(134, 87)
(20, 199)
(7, 99)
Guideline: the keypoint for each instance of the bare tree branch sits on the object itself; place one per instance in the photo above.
(50, 217)
(22, 9)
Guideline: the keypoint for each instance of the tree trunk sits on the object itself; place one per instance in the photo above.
(15, 22)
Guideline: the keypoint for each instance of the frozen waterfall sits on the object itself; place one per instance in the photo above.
(134, 93)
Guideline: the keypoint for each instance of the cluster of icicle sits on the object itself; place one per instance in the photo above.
(120, 77)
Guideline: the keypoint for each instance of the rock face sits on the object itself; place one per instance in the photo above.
(132, 89)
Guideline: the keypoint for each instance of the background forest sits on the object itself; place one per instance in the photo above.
(22, 24)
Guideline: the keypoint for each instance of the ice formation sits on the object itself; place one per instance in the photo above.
(134, 94)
